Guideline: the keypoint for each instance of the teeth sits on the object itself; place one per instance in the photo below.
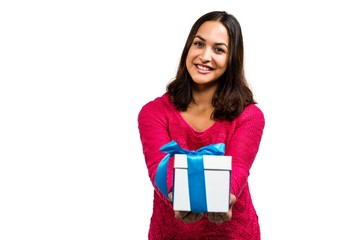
(203, 68)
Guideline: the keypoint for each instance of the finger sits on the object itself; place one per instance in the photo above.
(232, 200)
(226, 216)
(218, 218)
(210, 216)
(181, 214)
(215, 218)
(193, 217)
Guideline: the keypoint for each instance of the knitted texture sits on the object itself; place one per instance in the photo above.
(159, 122)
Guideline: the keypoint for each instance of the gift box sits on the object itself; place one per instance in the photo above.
(204, 190)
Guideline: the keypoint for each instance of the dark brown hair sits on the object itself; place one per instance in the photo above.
(233, 93)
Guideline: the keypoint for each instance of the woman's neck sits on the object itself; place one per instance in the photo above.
(203, 95)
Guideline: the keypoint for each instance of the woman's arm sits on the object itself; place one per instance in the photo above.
(153, 132)
(244, 145)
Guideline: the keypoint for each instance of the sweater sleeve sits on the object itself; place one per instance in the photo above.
(153, 131)
(244, 146)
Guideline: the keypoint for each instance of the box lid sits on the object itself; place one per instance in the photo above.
(210, 162)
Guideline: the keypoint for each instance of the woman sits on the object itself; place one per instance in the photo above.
(208, 102)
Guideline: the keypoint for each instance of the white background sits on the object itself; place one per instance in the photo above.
(74, 74)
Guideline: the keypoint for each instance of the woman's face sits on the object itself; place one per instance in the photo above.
(207, 58)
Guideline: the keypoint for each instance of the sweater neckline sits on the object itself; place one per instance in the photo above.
(186, 124)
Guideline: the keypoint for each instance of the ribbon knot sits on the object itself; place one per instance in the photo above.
(196, 175)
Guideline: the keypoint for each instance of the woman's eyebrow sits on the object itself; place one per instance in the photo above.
(203, 39)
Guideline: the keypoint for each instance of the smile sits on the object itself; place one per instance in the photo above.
(204, 68)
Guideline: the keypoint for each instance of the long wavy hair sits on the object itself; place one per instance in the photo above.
(233, 93)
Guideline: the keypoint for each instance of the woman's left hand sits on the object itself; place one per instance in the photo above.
(222, 217)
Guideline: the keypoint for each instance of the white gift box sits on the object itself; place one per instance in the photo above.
(217, 170)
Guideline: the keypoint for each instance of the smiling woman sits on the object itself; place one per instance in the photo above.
(206, 61)
(208, 102)
(207, 57)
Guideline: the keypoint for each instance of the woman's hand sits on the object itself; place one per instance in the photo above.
(188, 217)
(185, 216)
(222, 217)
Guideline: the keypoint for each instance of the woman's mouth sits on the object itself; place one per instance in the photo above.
(203, 68)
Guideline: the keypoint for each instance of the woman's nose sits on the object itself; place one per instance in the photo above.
(205, 56)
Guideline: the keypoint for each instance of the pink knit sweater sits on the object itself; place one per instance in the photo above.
(159, 123)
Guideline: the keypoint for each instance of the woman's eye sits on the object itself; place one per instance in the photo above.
(199, 44)
(220, 50)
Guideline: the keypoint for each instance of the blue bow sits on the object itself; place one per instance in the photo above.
(196, 174)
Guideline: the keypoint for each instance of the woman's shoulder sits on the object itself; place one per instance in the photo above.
(253, 109)
(155, 105)
(251, 112)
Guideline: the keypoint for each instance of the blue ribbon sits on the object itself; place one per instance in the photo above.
(196, 174)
